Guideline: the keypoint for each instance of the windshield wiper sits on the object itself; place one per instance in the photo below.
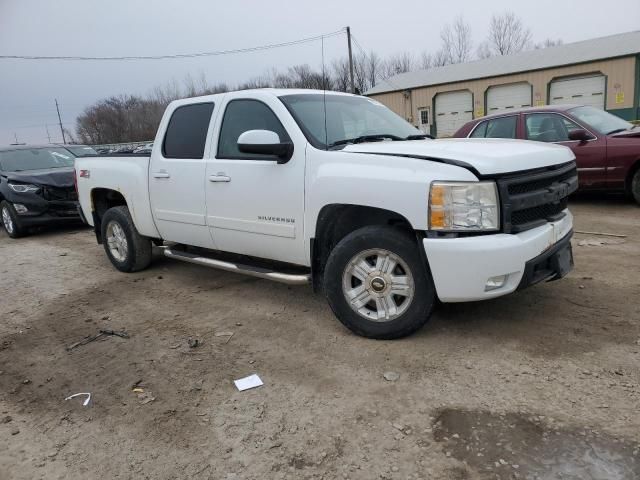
(617, 130)
(365, 138)
(419, 136)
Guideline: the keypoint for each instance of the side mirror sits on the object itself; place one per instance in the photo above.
(265, 142)
(579, 135)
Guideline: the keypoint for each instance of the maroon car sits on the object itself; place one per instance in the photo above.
(607, 148)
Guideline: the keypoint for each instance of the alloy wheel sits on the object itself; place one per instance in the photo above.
(117, 241)
(378, 285)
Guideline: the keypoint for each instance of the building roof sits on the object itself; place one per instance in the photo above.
(619, 45)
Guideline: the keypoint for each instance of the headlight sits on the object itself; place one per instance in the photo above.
(464, 207)
(23, 187)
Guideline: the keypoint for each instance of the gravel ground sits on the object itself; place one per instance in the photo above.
(543, 383)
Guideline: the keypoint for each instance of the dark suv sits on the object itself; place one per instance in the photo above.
(36, 188)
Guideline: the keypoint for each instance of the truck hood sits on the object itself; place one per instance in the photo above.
(484, 156)
(53, 177)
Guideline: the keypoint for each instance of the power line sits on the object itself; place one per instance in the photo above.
(180, 55)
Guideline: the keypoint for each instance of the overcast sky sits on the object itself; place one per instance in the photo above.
(143, 27)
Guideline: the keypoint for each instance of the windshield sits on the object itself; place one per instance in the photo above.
(35, 159)
(81, 151)
(602, 121)
(347, 118)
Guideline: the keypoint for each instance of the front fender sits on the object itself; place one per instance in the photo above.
(400, 185)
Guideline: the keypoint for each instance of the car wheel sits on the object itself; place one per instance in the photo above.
(635, 186)
(10, 220)
(126, 248)
(377, 284)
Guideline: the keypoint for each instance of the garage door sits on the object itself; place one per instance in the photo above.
(502, 98)
(582, 91)
(453, 110)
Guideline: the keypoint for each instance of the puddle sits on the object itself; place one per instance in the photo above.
(513, 446)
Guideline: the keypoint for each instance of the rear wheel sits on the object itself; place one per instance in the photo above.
(377, 285)
(10, 220)
(126, 248)
(635, 186)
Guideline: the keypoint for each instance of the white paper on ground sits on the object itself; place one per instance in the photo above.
(252, 381)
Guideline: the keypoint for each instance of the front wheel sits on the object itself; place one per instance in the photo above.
(377, 285)
(10, 220)
(126, 248)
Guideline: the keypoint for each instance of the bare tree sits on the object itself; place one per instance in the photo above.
(456, 41)
(507, 35)
(441, 58)
(484, 51)
(340, 72)
(549, 42)
(373, 66)
(426, 60)
(398, 63)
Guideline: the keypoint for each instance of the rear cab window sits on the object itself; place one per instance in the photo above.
(186, 133)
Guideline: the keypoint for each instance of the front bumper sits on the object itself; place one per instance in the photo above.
(462, 266)
(46, 219)
(44, 213)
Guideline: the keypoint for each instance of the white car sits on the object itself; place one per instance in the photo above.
(304, 186)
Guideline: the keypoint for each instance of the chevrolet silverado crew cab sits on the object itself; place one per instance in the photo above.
(303, 186)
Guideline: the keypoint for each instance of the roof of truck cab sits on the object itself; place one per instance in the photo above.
(276, 92)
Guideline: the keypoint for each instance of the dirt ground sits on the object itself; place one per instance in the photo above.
(542, 384)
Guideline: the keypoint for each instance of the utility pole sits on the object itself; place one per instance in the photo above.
(48, 135)
(64, 140)
(353, 85)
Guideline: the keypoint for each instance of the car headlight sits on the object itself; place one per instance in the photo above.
(464, 207)
(23, 187)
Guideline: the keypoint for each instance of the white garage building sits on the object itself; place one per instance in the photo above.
(602, 72)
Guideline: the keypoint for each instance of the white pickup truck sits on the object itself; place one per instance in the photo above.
(303, 186)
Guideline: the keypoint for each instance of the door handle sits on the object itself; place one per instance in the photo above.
(161, 175)
(219, 178)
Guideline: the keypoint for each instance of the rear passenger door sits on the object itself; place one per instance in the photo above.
(177, 175)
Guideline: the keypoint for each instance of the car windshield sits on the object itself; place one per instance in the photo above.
(348, 117)
(81, 150)
(602, 121)
(35, 159)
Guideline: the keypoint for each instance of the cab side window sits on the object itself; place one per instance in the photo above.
(241, 116)
(502, 127)
(187, 131)
(548, 127)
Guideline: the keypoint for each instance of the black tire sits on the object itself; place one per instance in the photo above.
(138, 250)
(400, 244)
(635, 186)
(15, 230)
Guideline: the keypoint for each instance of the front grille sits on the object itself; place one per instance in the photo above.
(537, 197)
(518, 188)
(59, 193)
(549, 211)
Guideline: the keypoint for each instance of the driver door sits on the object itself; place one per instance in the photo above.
(255, 205)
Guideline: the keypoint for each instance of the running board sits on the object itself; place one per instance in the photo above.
(288, 278)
